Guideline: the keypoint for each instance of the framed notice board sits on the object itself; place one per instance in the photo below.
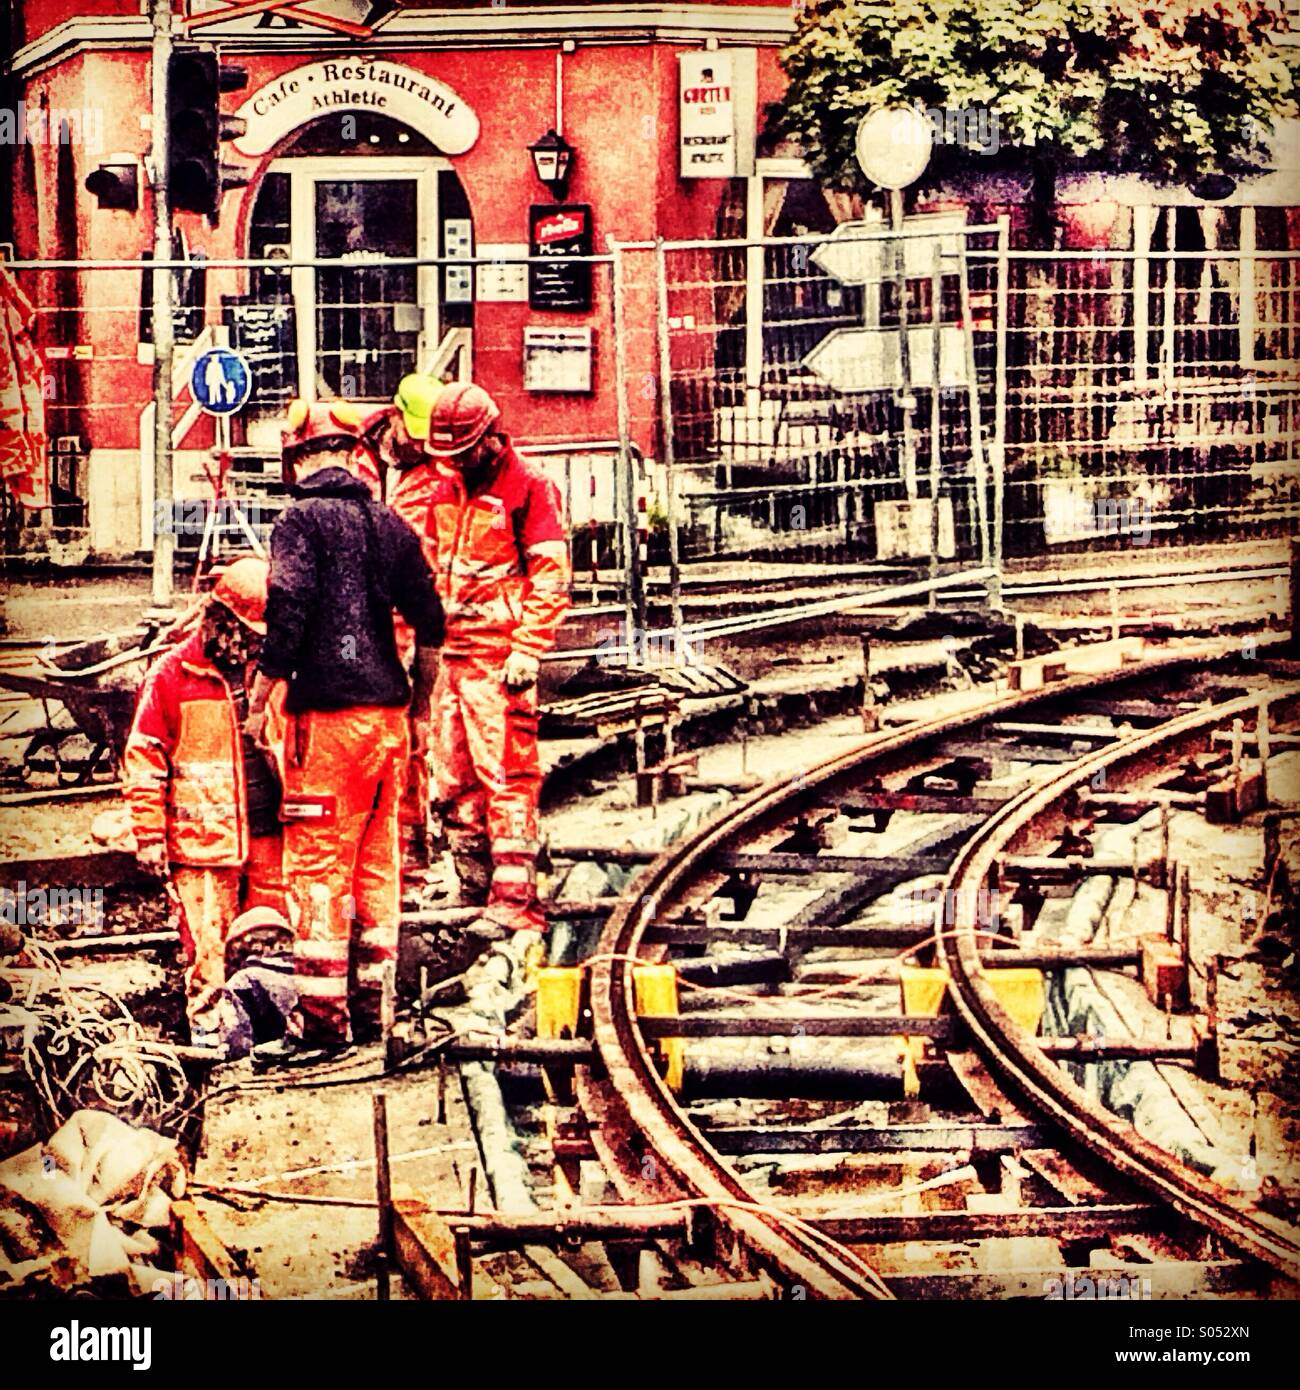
(554, 232)
(266, 333)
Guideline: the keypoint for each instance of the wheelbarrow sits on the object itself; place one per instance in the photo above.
(96, 682)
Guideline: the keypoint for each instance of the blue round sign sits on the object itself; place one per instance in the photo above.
(221, 381)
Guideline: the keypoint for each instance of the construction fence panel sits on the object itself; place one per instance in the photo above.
(368, 325)
(803, 427)
(1118, 399)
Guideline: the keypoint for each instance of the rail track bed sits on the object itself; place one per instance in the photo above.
(812, 1058)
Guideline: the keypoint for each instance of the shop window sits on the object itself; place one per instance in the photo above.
(1277, 285)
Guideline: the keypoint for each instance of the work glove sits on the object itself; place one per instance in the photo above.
(520, 671)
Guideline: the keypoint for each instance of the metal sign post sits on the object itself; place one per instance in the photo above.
(221, 383)
(164, 333)
(893, 149)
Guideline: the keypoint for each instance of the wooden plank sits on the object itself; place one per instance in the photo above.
(749, 1026)
(914, 866)
(862, 803)
(985, 1093)
(198, 1250)
(425, 1250)
(1034, 672)
(1063, 1223)
(1063, 1177)
(924, 1138)
(105, 868)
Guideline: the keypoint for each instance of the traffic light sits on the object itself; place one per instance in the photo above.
(196, 176)
(116, 183)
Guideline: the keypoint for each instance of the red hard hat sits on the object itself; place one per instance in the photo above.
(313, 426)
(462, 416)
(241, 587)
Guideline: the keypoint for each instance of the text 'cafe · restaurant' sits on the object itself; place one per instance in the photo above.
(373, 132)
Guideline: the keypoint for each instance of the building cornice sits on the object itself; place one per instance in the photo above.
(415, 29)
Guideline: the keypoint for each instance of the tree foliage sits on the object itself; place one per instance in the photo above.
(1170, 89)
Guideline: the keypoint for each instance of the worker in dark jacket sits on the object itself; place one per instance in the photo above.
(341, 564)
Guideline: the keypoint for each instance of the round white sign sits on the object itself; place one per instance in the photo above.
(893, 145)
(369, 84)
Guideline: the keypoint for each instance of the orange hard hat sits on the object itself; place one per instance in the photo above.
(242, 587)
(461, 417)
(314, 426)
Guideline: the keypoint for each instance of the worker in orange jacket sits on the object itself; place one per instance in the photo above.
(204, 799)
(502, 569)
(392, 458)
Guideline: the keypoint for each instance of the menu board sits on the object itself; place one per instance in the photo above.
(266, 333)
(553, 232)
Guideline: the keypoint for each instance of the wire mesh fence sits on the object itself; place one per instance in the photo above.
(1117, 398)
(847, 397)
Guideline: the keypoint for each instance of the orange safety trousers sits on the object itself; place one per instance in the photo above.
(487, 782)
(211, 899)
(344, 775)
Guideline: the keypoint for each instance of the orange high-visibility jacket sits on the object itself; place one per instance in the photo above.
(502, 569)
(183, 769)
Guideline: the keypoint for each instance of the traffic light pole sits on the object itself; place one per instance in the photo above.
(161, 316)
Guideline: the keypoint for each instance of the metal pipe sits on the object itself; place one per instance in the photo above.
(1000, 414)
(666, 416)
(163, 328)
(633, 580)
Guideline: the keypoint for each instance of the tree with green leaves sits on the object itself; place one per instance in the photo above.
(1173, 90)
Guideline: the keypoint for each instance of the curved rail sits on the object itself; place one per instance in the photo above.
(672, 1158)
(1014, 1054)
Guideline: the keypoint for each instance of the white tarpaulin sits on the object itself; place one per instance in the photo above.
(95, 1177)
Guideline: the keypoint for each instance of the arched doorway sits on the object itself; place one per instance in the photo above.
(362, 190)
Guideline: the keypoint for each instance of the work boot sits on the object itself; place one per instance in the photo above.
(289, 1051)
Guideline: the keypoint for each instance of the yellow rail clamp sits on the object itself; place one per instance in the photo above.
(923, 991)
(654, 990)
(559, 996)
(1020, 992)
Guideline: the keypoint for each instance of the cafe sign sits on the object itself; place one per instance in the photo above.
(708, 115)
(336, 86)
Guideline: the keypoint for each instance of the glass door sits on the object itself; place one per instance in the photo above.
(365, 323)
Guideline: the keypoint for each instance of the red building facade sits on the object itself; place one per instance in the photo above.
(374, 132)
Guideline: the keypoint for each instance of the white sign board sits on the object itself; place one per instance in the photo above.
(893, 145)
(557, 359)
(505, 280)
(335, 86)
(707, 105)
(867, 359)
(854, 256)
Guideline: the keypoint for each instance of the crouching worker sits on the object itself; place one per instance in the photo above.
(341, 565)
(204, 798)
(260, 995)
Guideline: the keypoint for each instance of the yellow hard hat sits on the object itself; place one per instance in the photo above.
(417, 395)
